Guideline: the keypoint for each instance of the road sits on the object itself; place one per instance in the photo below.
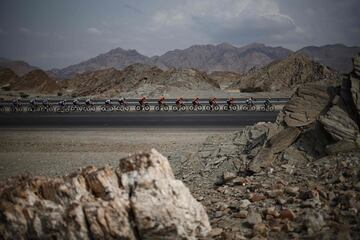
(134, 119)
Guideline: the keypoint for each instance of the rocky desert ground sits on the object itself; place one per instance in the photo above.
(296, 178)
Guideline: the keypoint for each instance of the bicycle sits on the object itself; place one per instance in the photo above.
(179, 107)
(248, 107)
(32, 108)
(17, 108)
(268, 107)
(162, 106)
(214, 107)
(145, 107)
(62, 109)
(229, 107)
(46, 108)
(197, 107)
(107, 108)
(2, 109)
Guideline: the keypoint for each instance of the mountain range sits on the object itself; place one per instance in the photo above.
(338, 57)
(208, 58)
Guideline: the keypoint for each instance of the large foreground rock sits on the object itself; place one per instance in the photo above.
(306, 105)
(338, 123)
(355, 83)
(141, 199)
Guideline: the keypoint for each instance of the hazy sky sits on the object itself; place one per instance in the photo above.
(57, 33)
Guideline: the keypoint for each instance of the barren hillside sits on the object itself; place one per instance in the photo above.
(286, 74)
(36, 81)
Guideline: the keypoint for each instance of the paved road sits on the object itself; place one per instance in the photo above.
(135, 119)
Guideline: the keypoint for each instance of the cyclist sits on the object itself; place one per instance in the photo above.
(45, 102)
(212, 101)
(267, 102)
(196, 101)
(62, 103)
(179, 101)
(15, 102)
(33, 102)
(250, 101)
(230, 101)
(142, 101)
(121, 101)
(75, 102)
(88, 102)
(161, 100)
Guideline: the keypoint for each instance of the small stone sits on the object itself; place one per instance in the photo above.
(244, 203)
(280, 201)
(259, 229)
(216, 232)
(239, 181)
(276, 229)
(272, 212)
(254, 218)
(275, 193)
(257, 198)
(228, 176)
(218, 214)
(241, 214)
(357, 186)
(293, 191)
(287, 214)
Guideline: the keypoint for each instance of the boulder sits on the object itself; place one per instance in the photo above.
(276, 144)
(338, 123)
(283, 139)
(355, 83)
(306, 105)
(141, 199)
(263, 159)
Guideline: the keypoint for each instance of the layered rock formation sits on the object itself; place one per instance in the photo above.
(318, 109)
(297, 178)
(139, 200)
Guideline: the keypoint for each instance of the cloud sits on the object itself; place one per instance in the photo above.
(93, 30)
(25, 30)
(133, 9)
(236, 21)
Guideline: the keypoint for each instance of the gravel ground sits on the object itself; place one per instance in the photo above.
(58, 152)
